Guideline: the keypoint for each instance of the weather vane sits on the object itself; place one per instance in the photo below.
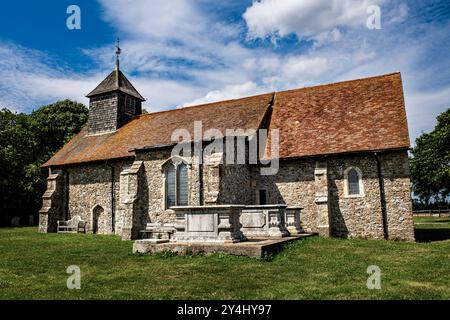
(118, 51)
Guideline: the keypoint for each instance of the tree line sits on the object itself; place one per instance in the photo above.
(29, 140)
(430, 166)
(26, 142)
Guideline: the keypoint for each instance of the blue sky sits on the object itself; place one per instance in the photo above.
(181, 52)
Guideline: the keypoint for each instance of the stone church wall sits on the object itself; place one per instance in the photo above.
(355, 216)
(317, 186)
(90, 186)
(235, 176)
(154, 189)
(362, 216)
(295, 184)
(397, 186)
(235, 185)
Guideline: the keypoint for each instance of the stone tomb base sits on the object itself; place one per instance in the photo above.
(252, 248)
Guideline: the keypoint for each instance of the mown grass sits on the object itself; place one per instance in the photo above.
(432, 223)
(33, 266)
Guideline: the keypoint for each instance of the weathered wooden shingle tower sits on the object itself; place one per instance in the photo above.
(113, 102)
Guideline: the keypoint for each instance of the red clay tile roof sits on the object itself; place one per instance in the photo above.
(352, 116)
(358, 115)
(156, 128)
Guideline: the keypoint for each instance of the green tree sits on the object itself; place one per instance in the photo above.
(56, 124)
(430, 164)
(17, 145)
(26, 142)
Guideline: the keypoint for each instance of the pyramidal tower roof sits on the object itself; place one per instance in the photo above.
(116, 81)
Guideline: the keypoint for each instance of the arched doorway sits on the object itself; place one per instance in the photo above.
(96, 213)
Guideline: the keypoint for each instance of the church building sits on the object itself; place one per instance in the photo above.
(341, 157)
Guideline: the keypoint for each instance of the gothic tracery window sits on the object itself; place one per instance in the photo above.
(170, 186)
(353, 183)
(182, 185)
(177, 188)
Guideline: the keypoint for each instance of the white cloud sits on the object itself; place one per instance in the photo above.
(156, 18)
(274, 73)
(303, 68)
(305, 18)
(229, 92)
(29, 78)
(177, 51)
(398, 14)
(27, 81)
(423, 107)
(158, 30)
(164, 94)
(189, 47)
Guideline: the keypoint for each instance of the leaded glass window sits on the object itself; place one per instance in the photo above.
(170, 186)
(353, 182)
(182, 185)
(177, 185)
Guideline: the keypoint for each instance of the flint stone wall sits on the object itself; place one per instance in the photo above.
(154, 185)
(296, 184)
(397, 188)
(90, 186)
(235, 185)
(293, 185)
(355, 216)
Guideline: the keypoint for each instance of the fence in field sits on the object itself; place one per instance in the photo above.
(432, 213)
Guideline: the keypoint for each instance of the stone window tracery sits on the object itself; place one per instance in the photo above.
(176, 184)
(353, 183)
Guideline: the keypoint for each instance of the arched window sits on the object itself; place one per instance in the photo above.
(176, 185)
(170, 186)
(182, 185)
(353, 183)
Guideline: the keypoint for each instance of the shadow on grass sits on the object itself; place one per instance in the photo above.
(427, 235)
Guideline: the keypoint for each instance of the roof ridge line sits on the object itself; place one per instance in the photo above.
(275, 92)
(332, 84)
(206, 104)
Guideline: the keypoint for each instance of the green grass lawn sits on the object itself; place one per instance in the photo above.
(33, 266)
(432, 222)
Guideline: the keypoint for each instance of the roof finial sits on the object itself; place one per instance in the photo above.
(118, 51)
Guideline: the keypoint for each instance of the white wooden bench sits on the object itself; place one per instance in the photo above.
(74, 225)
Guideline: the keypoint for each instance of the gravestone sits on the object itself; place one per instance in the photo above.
(15, 221)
